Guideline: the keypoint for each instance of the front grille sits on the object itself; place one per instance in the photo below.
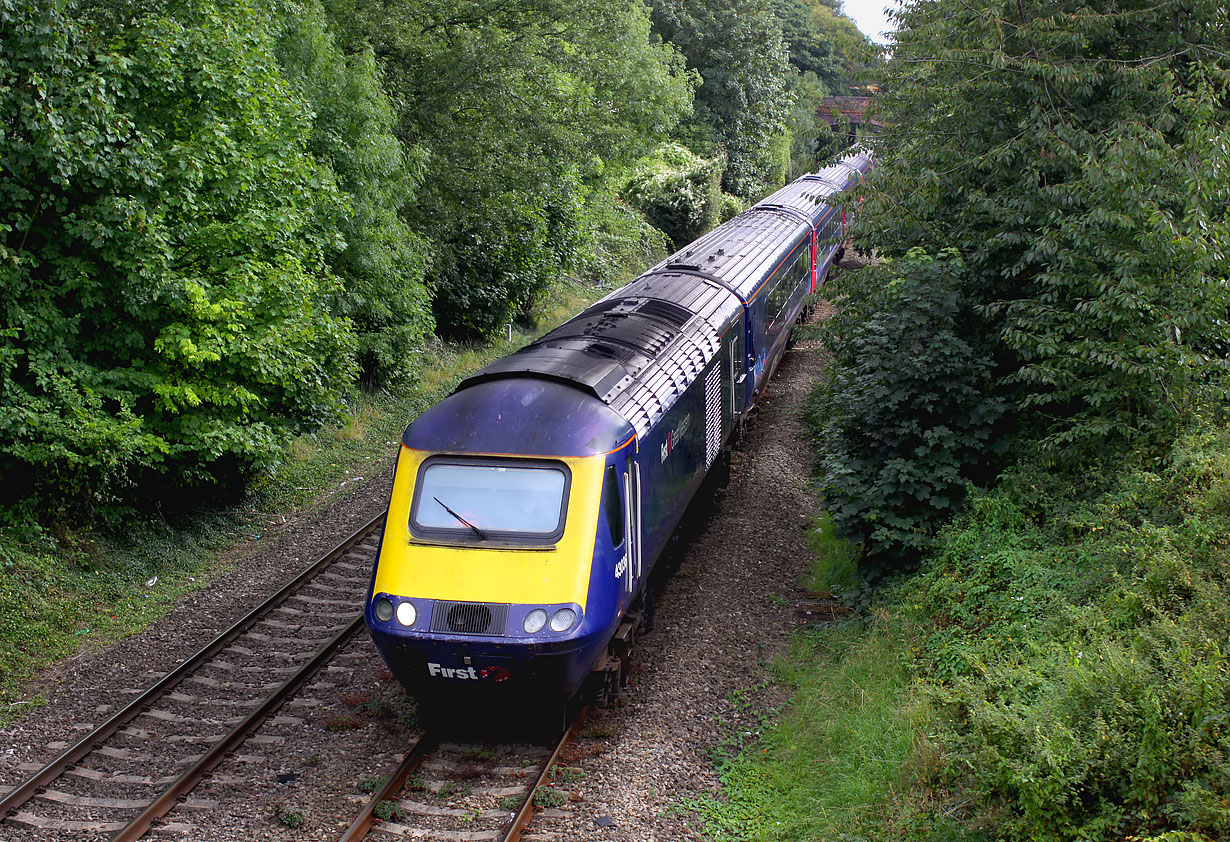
(469, 618)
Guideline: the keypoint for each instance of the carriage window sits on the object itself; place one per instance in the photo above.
(471, 500)
(611, 506)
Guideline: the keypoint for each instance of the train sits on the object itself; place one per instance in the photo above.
(530, 506)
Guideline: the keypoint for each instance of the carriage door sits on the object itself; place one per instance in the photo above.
(632, 522)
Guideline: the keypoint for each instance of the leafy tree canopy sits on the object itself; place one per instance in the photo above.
(163, 277)
(737, 48)
(522, 108)
(1075, 154)
(379, 260)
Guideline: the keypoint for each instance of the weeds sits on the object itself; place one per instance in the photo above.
(289, 816)
(389, 811)
(370, 785)
(567, 774)
(452, 789)
(547, 798)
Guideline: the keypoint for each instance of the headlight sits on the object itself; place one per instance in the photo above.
(534, 620)
(384, 610)
(406, 613)
(562, 620)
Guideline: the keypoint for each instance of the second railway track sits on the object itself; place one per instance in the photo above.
(146, 758)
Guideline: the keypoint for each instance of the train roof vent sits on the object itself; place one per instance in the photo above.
(600, 307)
(680, 266)
(602, 349)
(665, 311)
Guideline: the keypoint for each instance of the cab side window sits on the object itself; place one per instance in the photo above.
(612, 507)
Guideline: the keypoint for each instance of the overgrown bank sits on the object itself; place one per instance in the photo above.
(1023, 433)
(1057, 670)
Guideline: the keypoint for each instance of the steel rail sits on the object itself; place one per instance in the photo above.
(165, 802)
(19, 795)
(516, 827)
(366, 818)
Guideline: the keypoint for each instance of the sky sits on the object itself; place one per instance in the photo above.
(869, 16)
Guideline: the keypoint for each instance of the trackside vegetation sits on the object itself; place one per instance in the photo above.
(219, 219)
(61, 591)
(1023, 437)
(1055, 670)
(231, 231)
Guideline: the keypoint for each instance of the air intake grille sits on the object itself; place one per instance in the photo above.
(666, 311)
(469, 618)
(713, 415)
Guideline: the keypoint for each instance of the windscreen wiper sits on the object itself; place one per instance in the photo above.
(482, 536)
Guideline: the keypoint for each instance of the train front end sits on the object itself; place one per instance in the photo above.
(496, 576)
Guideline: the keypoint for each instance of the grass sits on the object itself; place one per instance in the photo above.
(822, 770)
(830, 764)
(835, 569)
(64, 594)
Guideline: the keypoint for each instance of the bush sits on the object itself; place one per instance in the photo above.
(379, 261)
(679, 193)
(1076, 655)
(490, 274)
(904, 420)
(622, 242)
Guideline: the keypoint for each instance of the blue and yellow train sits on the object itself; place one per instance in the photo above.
(530, 506)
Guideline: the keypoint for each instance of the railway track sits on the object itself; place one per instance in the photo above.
(146, 758)
(460, 792)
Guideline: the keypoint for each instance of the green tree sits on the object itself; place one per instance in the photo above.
(380, 261)
(809, 46)
(905, 419)
(679, 192)
(744, 99)
(1075, 154)
(164, 282)
(524, 109)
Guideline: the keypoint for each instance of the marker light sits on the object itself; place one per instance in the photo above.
(534, 621)
(406, 613)
(563, 619)
(384, 610)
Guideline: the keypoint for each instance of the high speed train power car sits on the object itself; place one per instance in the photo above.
(529, 507)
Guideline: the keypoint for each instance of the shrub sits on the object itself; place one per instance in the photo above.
(622, 242)
(1076, 653)
(905, 419)
(679, 192)
(379, 261)
(490, 275)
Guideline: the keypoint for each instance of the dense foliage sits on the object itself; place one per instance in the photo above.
(1075, 653)
(524, 108)
(1055, 672)
(680, 193)
(1065, 635)
(379, 260)
(905, 420)
(737, 47)
(1074, 154)
(1075, 158)
(164, 277)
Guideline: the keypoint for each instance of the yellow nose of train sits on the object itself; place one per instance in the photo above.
(486, 572)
